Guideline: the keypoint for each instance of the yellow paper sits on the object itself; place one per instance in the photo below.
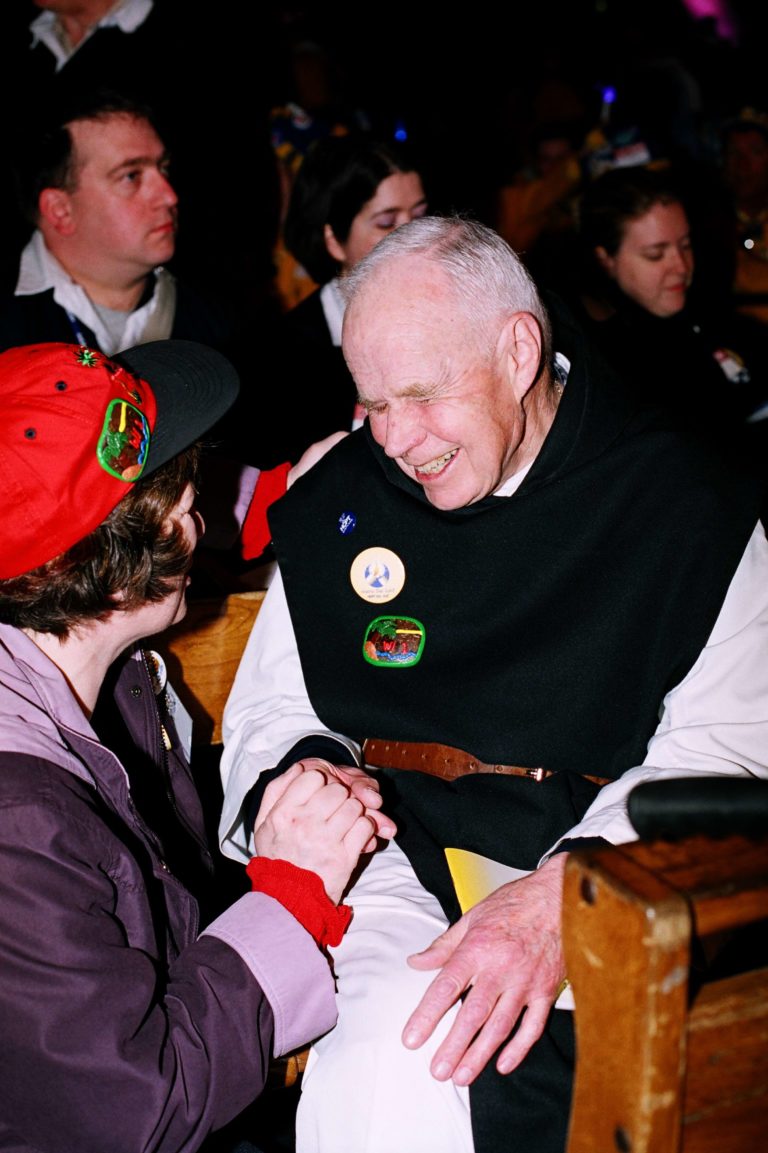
(475, 876)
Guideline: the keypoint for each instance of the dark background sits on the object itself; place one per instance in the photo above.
(467, 82)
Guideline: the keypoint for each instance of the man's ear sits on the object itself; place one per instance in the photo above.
(519, 350)
(55, 208)
(606, 262)
(334, 249)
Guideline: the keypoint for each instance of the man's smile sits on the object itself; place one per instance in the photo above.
(433, 467)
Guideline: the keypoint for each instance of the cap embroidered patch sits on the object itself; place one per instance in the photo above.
(395, 642)
(78, 428)
(124, 441)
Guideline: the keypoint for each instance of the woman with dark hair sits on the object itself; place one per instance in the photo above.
(349, 193)
(138, 1008)
(637, 301)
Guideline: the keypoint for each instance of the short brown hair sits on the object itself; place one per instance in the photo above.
(136, 552)
(45, 156)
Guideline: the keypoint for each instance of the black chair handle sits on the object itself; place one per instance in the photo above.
(712, 806)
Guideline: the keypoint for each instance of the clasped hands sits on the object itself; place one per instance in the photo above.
(322, 817)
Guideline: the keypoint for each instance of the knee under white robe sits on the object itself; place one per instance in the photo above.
(362, 1090)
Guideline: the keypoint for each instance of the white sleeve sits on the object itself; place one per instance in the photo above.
(267, 712)
(715, 721)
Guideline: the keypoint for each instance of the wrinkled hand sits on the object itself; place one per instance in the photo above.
(365, 788)
(313, 822)
(506, 954)
(312, 455)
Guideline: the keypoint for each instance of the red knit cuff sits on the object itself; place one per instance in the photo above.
(302, 893)
(255, 534)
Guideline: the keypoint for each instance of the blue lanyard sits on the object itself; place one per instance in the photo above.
(74, 324)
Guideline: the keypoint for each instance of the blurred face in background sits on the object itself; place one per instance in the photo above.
(746, 167)
(653, 265)
(552, 153)
(399, 199)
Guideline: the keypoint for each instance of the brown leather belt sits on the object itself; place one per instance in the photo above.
(447, 762)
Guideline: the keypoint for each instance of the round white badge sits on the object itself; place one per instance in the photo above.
(377, 575)
(157, 670)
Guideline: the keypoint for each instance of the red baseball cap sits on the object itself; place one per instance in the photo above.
(78, 428)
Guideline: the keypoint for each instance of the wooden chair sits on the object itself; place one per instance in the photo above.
(669, 975)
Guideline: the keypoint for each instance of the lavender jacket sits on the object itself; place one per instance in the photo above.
(120, 1027)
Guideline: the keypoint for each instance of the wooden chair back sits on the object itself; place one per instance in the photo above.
(202, 654)
(670, 983)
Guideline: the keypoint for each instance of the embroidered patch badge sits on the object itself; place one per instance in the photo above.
(87, 357)
(124, 441)
(377, 574)
(395, 642)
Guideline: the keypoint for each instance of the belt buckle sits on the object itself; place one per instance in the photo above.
(536, 774)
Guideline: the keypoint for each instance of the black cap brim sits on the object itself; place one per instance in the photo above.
(194, 386)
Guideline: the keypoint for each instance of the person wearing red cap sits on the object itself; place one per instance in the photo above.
(122, 1025)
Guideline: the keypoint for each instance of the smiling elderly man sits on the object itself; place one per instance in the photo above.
(512, 596)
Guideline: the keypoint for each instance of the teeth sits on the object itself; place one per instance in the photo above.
(435, 465)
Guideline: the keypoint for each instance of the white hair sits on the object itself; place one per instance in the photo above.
(488, 279)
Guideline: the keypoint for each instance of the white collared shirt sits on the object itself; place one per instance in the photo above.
(39, 271)
(127, 15)
(333, 309)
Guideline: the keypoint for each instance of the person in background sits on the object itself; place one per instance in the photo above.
(312, 105)
(189, 65)
(94, 181)
(56, 45)
(510, 596)
(637, 300)
(349, 193)
(136, 1012)
(745, 174)
(536, 211)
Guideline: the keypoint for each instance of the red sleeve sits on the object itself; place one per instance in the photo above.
(303, 894)
(255, 535)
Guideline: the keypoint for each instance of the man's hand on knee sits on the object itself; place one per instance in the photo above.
(504, 958)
